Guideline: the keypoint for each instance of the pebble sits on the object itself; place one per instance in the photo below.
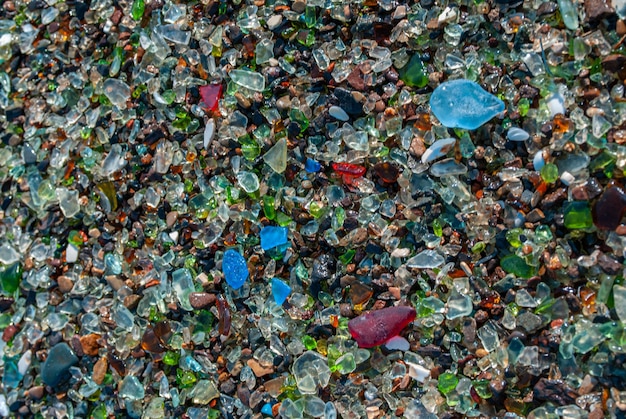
(99, 370)
(598, 9)
(65, 284)
(36, 392)
(199, 300)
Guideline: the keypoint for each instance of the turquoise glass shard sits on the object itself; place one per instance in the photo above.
(280, 291)
(464, 104)
(234, 268)
(272, 237)
(56, 367)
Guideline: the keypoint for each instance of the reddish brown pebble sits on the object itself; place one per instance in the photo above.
(99, 370)
(377, 327)
(200, 300)
(36, 392)
(90, 344)
(609, 209)
(9, 332)
(65, 284)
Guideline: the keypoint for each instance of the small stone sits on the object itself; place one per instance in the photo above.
(535, 216)
(376, 327)
(338, 113)
(555, 391)
(56, 366)
(99, 370)
(90, 344)
(464, 104)
(36, 392)
(272, 237)
(235, 268)
(200, 300)
(598, 9)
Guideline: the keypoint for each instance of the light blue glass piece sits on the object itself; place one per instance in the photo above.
(280, 291)
(464, 104)
(234, 268)
(272, 237)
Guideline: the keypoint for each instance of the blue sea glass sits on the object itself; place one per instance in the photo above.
(272, 237)
(312, 166)
(280, 291)
(464, 104)
(235, 268)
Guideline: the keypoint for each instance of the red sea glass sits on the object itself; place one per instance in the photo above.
(377, 327)
(349, 171)
(211, 95)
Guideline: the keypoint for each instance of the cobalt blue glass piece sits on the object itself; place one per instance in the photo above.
(235, 268)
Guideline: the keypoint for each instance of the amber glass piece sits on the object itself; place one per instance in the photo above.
(561, 125)
(422, 122)
(377, 327)
(151, 343)
(387, 172)
(360, 293)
